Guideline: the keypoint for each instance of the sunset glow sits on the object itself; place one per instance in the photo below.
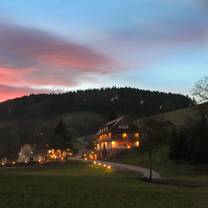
(79, 45)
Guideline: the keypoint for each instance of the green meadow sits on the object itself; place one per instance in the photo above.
(85, 185)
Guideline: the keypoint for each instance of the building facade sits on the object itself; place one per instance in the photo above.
(116, 136)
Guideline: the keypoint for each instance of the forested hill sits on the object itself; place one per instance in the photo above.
(131, 101)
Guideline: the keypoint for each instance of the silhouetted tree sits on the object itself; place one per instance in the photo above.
(152, 137)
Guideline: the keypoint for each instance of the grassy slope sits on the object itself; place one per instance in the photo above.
(179, 117)
(81, 185)
(165, 166)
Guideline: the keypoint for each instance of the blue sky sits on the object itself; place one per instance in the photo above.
(60, 45)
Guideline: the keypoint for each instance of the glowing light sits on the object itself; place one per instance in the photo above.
(13, 163)
(85, 158)
(128, 147)
(3, 163)
(39, 160)
(136, 135)
(104, 165)
(109, 135)
(109, 167)
(49, 151)
(95, 162)
(124, 135)
(137, 143)
(26, 161)
(99, 163)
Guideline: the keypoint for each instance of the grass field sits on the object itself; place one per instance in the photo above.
(83, 185)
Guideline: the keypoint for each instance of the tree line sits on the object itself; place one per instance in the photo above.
(131, 101)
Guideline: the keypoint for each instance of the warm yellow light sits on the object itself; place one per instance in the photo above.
(124, 135)
(3, 163)
(109, 167)
(95, 162)
(109, 135)
(25, 161)
(39, 160)
(49, 151)
(104, 165)
(13, 163)
(99, 163)
(128, 147)
(136, 135)
(85, 158)
(113, 142)
(137, 143)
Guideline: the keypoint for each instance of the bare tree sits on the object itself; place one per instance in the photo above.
(200, 90)
(154, 133)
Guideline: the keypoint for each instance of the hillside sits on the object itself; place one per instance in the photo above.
(135, 102)
(32, 119)
(180, 117)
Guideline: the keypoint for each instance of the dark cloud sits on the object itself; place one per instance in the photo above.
(29, 47)
(35, 58)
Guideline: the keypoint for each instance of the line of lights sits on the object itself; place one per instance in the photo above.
(100, 164)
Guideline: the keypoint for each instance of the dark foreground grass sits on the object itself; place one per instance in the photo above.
(87, 186)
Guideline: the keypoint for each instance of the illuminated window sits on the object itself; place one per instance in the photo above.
(137, 143)
(124, 135)
(136, 135)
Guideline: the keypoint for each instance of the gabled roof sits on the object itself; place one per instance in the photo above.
(114, 122)
(109, 126)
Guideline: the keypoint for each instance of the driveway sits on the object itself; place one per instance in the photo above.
(141, 170)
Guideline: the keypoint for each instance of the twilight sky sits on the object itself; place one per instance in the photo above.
(61, 45)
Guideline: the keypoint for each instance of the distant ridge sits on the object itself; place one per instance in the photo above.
(131, 101)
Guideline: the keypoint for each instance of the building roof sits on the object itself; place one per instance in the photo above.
(114, 122)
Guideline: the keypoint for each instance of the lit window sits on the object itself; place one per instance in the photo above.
(137, 143)
(124, 135)
(136, 135)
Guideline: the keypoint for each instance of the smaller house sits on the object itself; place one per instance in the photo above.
(29, 153)
(59, 154)
(116, 136)
(26, 153)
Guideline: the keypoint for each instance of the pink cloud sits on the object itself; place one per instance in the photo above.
(9, 92)
(32, 58)
(28, 47)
